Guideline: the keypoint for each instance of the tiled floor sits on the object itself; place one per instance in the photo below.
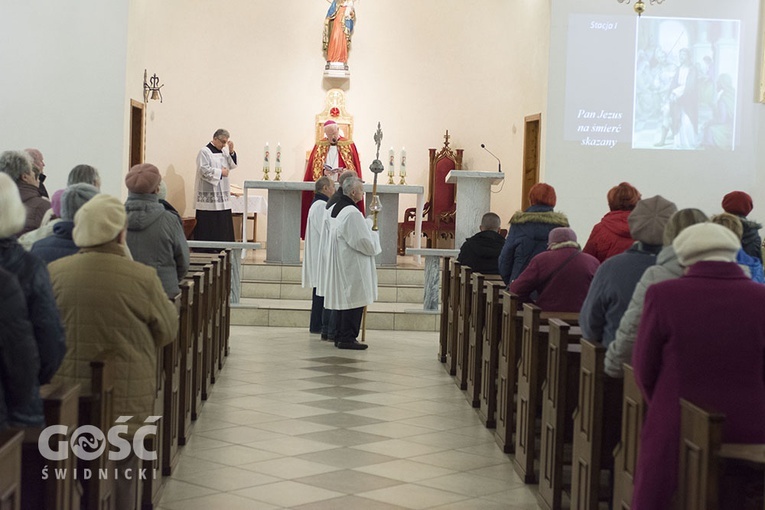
(295, 423)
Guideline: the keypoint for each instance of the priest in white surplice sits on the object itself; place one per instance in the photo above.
(351, 279)
(212, 191)
(324, 189)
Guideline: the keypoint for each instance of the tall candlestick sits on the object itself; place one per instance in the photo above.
(391, 165)
(278, 169)
(402, 169)
(266, 163)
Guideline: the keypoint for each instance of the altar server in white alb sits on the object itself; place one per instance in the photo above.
(324, 189)
(212, 191)
(352, 275)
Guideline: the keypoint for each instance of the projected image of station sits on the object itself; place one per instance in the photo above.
(686, 82)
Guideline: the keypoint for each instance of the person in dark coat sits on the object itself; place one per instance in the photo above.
(701, 338)
(481, 252)
(617, 277)
(740, 204)
(60, 244)
(559, 277)
(41, 305)
(154, 235)
(19, 360)
(611, 236)
(529, 230)
(18, 166)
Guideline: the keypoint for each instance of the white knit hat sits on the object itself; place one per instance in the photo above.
(706, 241)
(99, 221)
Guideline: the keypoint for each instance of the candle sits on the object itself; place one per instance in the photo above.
(278, 155)
(391, 165)
(402, 171)
(266, 156)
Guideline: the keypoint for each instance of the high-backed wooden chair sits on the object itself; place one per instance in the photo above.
(440, 209)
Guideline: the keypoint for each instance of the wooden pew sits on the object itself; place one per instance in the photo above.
(10, 469)
(205, 308)
(171, 396)
(153, 483)
(455, 269)
(443, 331)
(492, 333)
(463, 326)
(509, 352)
(476, 325)
(200, 380)
(531, 375)
(97, 408)
(625, 454)
(226, 303)
(596, 427)
(214, 308)
(186, 349)
(704, 481)
(60, 404)
(558, 401)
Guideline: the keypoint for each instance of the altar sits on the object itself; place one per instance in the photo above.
(283, 224)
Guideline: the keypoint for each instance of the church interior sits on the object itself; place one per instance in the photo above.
(527, 91)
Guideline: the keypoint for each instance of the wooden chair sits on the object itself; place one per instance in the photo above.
(186, 335)
(558, 401)
(463, 326)
(492, 332)
(455, 268)
(10, 469)
(507, 371)
(596, 427)
(439, 211)
(60, 404)
(189, 224)
(625, 454)
(443, 331)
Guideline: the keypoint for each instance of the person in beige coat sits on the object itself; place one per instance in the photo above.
(110, 303)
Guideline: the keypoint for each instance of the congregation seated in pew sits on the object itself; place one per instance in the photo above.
(702, 338)
(110, 303)
(481, 251)
(611, 236)
(558, 279)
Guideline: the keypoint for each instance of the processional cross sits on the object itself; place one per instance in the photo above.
(376, 167)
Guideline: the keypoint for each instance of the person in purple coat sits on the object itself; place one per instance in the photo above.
(701, 338)
(557, 280)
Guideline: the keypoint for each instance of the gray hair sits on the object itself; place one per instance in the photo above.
(12, 211)
(345, 175)
(321, 182)
(221, 133)
(74, 197)
(490, 221)
(16, 164)
(679, 221)
(86, 174)
(351, 183)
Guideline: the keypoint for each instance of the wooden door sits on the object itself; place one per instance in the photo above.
(137, 134)
(531, 156)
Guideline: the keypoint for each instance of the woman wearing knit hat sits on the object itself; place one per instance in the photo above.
(752, 267)
(154, 236)
(529, 230)
(740, 204)
(667, 267)
(557, 280)
(618, 276)
(701, 338)
(611, 235)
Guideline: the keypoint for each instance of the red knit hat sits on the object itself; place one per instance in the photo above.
(542, 194)
(623, 197)
(738, 203)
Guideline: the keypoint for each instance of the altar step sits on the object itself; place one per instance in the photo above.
(272, 296)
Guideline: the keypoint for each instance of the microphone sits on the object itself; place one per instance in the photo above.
(499, 163)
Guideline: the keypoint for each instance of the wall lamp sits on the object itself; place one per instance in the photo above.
(151, 90)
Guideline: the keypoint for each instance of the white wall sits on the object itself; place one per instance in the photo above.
(63, 84)
(256, 68)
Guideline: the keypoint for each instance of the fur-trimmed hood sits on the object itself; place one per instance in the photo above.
(552, 217)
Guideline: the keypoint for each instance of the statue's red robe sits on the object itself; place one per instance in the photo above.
(348, 157)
